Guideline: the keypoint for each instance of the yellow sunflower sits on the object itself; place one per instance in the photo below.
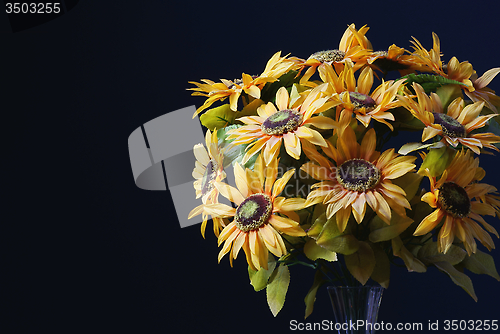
(286, 122)
(208, 169)
(360, 175)
(259, 219)
(483, 93)
(251, 85)
(356, 97)
(456, 126)
(354, 49)
(430, 61)
(452, 196)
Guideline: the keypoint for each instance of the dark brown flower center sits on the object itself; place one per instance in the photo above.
(253, 212)
(454, 199)
(282, 122)
(328, 56)
(360, 100)
(451, 127)
(208, 177)
(358, 175)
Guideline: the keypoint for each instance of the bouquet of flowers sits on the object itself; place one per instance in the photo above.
(321, 178)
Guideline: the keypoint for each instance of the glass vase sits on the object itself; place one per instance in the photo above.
(355, 308)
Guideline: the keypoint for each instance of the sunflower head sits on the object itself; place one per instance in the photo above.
(453, 199)
(456, 211)
(281, 122)
(459, 124)
(450, 126)
(358, 175)
(260, 217)
(288, 120)
(253, 212)
(360, 100)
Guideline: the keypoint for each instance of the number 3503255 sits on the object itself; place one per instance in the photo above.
(32, 8)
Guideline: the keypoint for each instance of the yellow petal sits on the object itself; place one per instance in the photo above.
(368, 145)
(196, 211)
(238, 243)
(226, 232)
(220, 210)
(282, 99)
(201, 154)
(257, 146)
(430, 199)
(430, 132)
(429, 222)
(229, 192)
(253, 91)
(384, 210)
(280, 184)
(293, 151)
(241, 180)
(293, 204)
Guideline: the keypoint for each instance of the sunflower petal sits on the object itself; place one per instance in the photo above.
(429, 223)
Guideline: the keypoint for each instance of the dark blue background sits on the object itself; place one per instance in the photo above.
(88, 251)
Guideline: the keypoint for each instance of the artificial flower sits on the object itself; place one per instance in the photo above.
(483, 93)
(286, 122)
(208, 169)
(456, 126)
(431, 62)
(356, 97)
(354, 49)
(452, 197)
(251, 85)
(261, 215)
(359, 176)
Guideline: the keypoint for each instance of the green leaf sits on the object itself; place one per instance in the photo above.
(457, 277)
(382, 271)
(361, 263)
(411, 262)
(411, 147)
(314, 252)
(277, 288)
(317, 226)
(388, 232)
(429, 254)
(259, 279)
(332, 239)
(218, 117)
(311, 294)
(437, 160)
(429, 82)
(481, 263)
(344, 244)
(410, 183)
(448, 93)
